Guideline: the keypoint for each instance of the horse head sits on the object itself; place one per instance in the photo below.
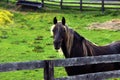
(59, 32)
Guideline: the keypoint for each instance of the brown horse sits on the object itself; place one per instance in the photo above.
(75, 45)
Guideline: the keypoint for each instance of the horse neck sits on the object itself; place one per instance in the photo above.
(72, 41)
(82, 47)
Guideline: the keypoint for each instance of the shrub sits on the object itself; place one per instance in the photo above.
(5, 17)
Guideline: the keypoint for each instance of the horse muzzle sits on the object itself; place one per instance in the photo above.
(57, 44)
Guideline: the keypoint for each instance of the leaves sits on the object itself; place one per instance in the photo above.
(5, 17)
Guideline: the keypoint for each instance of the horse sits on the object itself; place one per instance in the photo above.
(73, 45)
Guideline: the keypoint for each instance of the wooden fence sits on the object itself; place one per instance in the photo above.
(98, 4)
(83, 4)
(49, 65)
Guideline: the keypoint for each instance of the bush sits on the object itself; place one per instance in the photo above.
(5, 17)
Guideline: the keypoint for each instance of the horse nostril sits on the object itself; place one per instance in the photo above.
(57, 44)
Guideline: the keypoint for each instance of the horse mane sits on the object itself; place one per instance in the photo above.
(70, 37)
(88, 48)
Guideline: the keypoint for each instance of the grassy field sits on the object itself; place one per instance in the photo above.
(29, 39)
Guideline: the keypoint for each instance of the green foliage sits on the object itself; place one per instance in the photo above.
(5, 17)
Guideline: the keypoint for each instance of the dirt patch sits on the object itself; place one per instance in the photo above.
(109, 25)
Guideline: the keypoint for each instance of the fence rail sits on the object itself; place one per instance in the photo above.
(21, 66)
(94, 76)
(103, 4)
(49, 65)
(80, 61)
(81, 4)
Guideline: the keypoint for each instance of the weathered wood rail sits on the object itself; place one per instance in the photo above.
(49, 65)
(81, 4)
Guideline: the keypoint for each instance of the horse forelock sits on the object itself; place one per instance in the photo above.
(53, 26)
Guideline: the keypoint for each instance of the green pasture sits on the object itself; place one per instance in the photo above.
(29, 38)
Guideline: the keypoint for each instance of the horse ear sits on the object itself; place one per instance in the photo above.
(55, 20)
(63, 21)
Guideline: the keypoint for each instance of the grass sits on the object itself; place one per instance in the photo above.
(29, 39)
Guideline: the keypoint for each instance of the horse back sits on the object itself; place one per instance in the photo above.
(115, 46)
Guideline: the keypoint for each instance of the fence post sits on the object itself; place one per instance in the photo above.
(7, 1)
(48, 70)
(61, 4)
(42, 3)
(103, 8)
(80, 5)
